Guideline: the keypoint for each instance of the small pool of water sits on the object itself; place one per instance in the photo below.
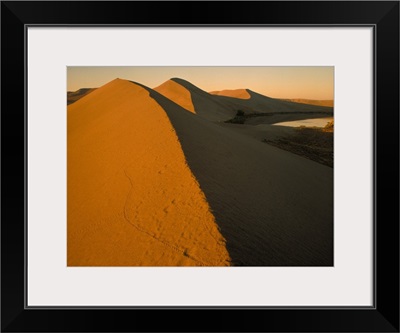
(316, 122)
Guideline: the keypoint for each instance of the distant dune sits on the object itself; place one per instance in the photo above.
(205, 105)
(216, 107)
(176, 92)
(236, 93)
(258, 103)
(311, 101)
(155, 178)
(73, 96)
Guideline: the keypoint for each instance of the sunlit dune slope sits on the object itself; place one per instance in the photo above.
(203, 103)
(177, 93)
(236, 93)
(223, 105)
(131, 198)
(273, 207)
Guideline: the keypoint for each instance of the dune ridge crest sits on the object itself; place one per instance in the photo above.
(273, 207)
(223, 105)
(177, 93)
(131, 197)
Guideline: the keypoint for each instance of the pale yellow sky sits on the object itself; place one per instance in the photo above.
(314, 82)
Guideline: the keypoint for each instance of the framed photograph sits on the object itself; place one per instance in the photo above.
(233, 164)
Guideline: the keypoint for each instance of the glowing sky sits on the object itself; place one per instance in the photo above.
(279, 82)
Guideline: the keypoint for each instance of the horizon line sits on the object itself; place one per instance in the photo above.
(209, 92)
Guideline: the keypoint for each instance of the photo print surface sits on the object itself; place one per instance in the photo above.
(200, 166)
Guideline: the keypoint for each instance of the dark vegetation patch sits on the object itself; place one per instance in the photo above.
(240, 118)
(314, 143)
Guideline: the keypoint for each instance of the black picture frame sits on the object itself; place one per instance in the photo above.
(383, 316)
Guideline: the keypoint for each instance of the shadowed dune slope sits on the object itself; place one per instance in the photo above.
(258, 103)
(272, 207)
(325, 102)
(131, 198)
(217, 107)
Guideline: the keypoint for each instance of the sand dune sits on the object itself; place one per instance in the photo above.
(236, 93)
(273, 207)
(153, 183)
(218, 107)
(205, 105)
(325, 102)
(179, 94)
(132, 200)
(258, 103)
(73, 96)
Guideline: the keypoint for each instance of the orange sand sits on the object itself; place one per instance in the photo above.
(219, 107)
(236, 93)
(132, 199)
(177, 93)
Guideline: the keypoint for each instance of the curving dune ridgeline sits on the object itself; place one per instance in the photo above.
(132, 200)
